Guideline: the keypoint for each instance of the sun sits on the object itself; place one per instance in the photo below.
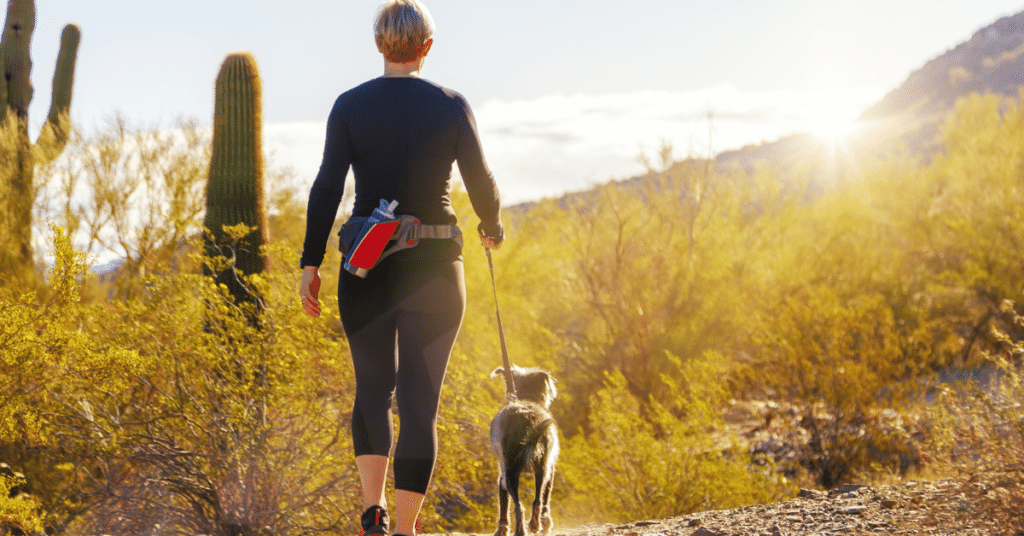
(833, 129)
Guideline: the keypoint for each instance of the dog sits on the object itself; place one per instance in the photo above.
(525, 435)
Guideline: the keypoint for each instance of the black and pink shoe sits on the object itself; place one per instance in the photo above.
(374, 522)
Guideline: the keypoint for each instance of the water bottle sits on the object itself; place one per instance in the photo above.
(373, 237)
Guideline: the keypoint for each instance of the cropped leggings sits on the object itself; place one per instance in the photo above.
(401, 322)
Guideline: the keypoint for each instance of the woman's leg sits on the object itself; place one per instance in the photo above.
(370, 325)
(373, 471)
(428, 323)
(425, 313)
(407, 509)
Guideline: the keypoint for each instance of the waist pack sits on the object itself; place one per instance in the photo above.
(364, 245)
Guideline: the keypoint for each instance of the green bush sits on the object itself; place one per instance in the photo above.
(19, 513)
(631, 468)
(51, 362)
(983, 435)
(839, 363)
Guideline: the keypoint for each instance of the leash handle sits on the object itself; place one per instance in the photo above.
(510, 385)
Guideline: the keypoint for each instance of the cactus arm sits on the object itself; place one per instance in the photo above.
(54, 134)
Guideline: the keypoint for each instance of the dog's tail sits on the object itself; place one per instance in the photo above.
(538, 431)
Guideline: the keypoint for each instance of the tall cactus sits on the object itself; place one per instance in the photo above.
(19, 155)
(234, 193)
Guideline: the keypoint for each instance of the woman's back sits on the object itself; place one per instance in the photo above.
(401, 136)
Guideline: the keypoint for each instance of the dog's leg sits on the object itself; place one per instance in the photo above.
(540, 519)
(538, 480)
(545, 510)
(502, 508)
(512, 482)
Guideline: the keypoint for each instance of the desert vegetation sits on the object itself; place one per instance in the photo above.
(721, 337)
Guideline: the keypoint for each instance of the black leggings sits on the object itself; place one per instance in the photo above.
(401, 322)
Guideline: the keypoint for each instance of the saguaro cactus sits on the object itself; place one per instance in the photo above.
(19, 155)
(234, 193)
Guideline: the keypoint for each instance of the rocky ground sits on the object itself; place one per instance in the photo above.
(912, 508)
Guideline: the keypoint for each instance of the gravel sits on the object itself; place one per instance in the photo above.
(911, 508)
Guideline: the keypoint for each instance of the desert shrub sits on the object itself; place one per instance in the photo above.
(632, 468)
(839, 363)
(144, 416)
(19, 512)
(46, 357)
(640, 267)
(240, 427)
(135, 192)
(983, 435)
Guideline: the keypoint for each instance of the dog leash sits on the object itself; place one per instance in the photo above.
(510, 385)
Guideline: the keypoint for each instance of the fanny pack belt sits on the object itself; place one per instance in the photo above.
(420, 230)
(406, 234)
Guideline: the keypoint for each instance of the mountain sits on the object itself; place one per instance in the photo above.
(905, 121)
(908, 118)
(991, 61)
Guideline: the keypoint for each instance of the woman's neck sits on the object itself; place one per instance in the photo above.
(402, 70)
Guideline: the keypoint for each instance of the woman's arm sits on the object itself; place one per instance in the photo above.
(479, 181)
(327, 190)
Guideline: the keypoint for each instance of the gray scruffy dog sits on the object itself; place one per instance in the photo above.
(524, 435)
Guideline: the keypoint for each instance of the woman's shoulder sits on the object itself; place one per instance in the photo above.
(414, 88)
(454, 98)
(366, 89)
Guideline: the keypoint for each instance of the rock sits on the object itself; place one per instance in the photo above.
(809, 494)
(846, 488)
(942, 510)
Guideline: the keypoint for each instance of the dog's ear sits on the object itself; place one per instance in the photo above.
(498, 372)
(552, 390)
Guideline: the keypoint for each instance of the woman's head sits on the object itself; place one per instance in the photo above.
(401, 30)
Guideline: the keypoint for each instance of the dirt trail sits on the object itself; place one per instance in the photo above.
(912, 508)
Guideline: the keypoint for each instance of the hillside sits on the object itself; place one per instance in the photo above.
(907, 119)
(992, 60)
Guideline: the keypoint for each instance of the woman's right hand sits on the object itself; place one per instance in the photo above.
(309, 289)
(490, 242)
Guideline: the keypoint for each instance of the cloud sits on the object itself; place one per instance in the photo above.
(546, 146)
(298, 145)
(549, 145)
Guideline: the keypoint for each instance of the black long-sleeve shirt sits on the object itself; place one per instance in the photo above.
(401, 136)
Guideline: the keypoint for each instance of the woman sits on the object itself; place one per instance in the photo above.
(401, 134)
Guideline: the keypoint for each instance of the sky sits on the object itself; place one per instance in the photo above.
(566, 93)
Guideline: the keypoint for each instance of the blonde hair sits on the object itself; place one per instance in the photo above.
(401, 28)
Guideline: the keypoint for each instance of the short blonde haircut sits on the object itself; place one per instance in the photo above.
(401, 28)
